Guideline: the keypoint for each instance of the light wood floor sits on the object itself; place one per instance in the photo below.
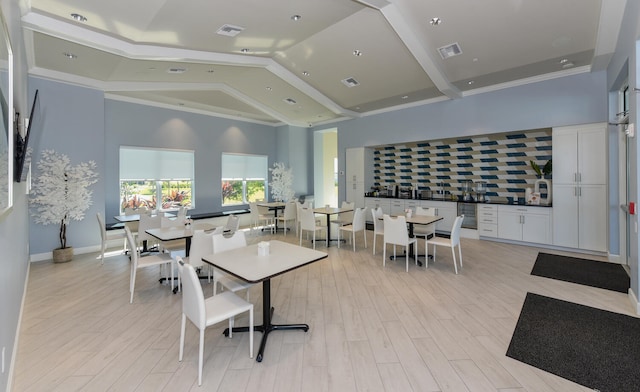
(372, 328)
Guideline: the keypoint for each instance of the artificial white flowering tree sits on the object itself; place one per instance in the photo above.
(61, 191)
(281, 182)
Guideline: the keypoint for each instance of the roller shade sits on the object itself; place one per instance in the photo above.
(244, 167)
(155, 164)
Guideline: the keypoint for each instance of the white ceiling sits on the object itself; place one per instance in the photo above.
(127, 47)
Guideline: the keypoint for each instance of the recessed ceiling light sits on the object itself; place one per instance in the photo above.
(70, 55)
(405, 96)
(244, 50)
(296, 17)
(470, 82)
(435, 21)
(268, 88)
(568, 64)
(305, 73)
(79, 17)
(152, 68)
(357, 53)
(564, 61)
(210, 70)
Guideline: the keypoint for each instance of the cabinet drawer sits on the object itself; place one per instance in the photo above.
(488, 219)
(488, 230)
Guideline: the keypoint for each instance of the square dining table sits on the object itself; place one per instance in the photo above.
(245, 263)
(328, 211)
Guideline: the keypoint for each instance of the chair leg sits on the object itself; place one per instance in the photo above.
(460, 254)
(364, 234)
(339, 231)
(406, 257)
(200, 356)
(251, 332)
(384, 254)
(374, 242)
(353, 239)
(453, 253)
(182, 330)
(132, 284)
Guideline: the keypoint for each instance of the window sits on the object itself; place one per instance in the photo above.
(150, 174)
(244, 178)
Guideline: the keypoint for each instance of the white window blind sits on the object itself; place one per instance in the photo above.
(247, 167)
(138, 163)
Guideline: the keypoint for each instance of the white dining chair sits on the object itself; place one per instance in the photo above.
(451, 242)
(204, 313)
(358, 224)
(221, 243)
(425, 231)
(289, 216)
(308, 223)
(106, 237)
(378, 225)
(396, 233)
(260, 220)
(164, 261)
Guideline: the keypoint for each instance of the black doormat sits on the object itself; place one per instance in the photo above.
(593, 273)
(592, 347)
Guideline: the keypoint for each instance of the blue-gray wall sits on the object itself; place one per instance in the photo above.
(140, 125)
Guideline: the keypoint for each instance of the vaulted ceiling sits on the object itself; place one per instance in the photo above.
(306, 62)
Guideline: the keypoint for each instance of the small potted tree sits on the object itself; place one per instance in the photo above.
(61, 194)
(281, 182)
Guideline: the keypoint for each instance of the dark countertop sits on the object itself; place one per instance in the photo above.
(497, 201)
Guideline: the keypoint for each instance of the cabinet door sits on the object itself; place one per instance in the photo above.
(535, 228)
(592, 213)
(355, 193)
(355, 164)
(397, 207)
(565, 156)
(565, 215)
(592, 155)
(448, 214)
(510, 225)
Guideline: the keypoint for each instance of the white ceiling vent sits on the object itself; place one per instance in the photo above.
(176, 70)
(290, 101)
(449, 50)
(230, 30)
(350, 82)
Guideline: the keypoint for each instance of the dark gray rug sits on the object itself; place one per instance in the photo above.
(593, 273)
(592, 347)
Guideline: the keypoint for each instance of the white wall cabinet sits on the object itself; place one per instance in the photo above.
(358, 161)
(525, 223)
(580, 187)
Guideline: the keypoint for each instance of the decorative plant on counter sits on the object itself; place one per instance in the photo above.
(61, 191)
(281, 182)
(542, 171)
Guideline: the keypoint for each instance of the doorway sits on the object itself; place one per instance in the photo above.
(325, 156)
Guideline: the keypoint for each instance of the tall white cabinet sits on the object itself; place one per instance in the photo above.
(580, 187)
(358, 161)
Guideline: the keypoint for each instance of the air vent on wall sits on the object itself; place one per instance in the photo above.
(350, 82)
(229, 30)
(449, 50)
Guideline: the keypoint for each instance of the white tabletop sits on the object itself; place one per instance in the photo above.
(423, 219)
(247, 265)
(272, 204)
(331, 210)
(171, 233)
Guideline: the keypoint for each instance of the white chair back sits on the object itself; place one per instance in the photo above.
(148, 222)
(222, 243)
(165, 221)
(182, 213)
(307, 219)
(290, 211)
(232, 225)
(395, 230)
(425, 211)
(455, 231)
(134, 252)
(378, 223)
(201, 245)
(192, 295)
(359, 219)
